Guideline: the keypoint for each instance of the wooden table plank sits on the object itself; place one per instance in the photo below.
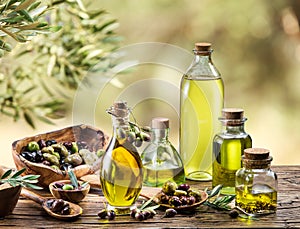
(28, 214)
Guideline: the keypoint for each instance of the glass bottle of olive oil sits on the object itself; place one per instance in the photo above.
(256, 184)
(201, 102)
(121, 174)
(228, 148)
(160, 159)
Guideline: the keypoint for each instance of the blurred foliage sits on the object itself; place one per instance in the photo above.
(37, 78)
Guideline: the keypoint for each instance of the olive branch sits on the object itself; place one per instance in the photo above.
(15, 179)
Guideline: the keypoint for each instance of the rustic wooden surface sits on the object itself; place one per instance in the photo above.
(29, 214)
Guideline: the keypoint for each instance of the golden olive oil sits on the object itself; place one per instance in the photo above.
(157, 177)
(121, 174)
(259, 199)
(228, 159)
(201, 104)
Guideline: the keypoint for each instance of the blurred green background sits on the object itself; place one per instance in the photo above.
(256, 48)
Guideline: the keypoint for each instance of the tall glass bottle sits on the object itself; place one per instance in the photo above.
(228, 148)
(160, 159)
(201, 102)
(121, 174)
(256, 183)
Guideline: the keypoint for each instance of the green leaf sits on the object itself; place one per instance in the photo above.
(28, 185)
(73, 178)
(28, 119)
(215, 191)
(18, 173)
(6, 174)
(26, 15)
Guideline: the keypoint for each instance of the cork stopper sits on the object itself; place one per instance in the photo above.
(256, 158)
(232, 116)
(232, 113)
(202, 46)
(256, 153)
(160, 123)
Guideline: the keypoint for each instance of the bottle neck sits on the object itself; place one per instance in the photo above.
(119, 122)
(160, 135)
(202, 66)
(233, 128)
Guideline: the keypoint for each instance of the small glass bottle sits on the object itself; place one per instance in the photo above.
(256, 184)
(228, 148)
(121, 172)
(160, 159)
(201, 102)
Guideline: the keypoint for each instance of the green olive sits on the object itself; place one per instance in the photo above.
(68, 187)
(33, 146)
(121, 134)
(48, 149)
(74, 148)
(74, 159)
(51, 158)
(131, 136)
(169, 187)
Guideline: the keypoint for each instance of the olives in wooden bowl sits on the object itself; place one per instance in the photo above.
(180, 197)
(51, 154)
(63, 189)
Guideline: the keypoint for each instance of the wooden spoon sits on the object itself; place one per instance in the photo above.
(76, 210)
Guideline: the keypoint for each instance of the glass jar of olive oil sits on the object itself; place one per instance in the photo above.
(256, 183)
(121, 174)
(228, 148)
(161, 160)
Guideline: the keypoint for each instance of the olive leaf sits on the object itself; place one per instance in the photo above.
(15, 179)
(217, 201)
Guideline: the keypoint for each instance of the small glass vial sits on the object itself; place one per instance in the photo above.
(121, 168)
(160, 159)
(256, 183)
(228, 148)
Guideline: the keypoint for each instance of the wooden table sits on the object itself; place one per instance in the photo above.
(30, 214)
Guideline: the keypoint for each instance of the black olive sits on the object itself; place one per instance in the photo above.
(27, 155)
(133, 212)
(111, 215)
(65, 166)
(68, 145)
(139, 216)
(50, 142)
(33, 155)
(66, 210)
(233, 213)
(147, 214)
(39, 156)
(191, 200)
(102, 214)
(184, 200)
(175, 201)
(42, 143)
(57, 205)
(184, 187)
(170, 212)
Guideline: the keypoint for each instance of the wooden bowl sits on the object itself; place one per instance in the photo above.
(74, 196)
(95, 138)
(183, 208)
(9, 197)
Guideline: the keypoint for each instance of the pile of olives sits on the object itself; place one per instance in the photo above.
(59, 206)
(109, 214)
(62, 155)
(177, 196)
(136, 135)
